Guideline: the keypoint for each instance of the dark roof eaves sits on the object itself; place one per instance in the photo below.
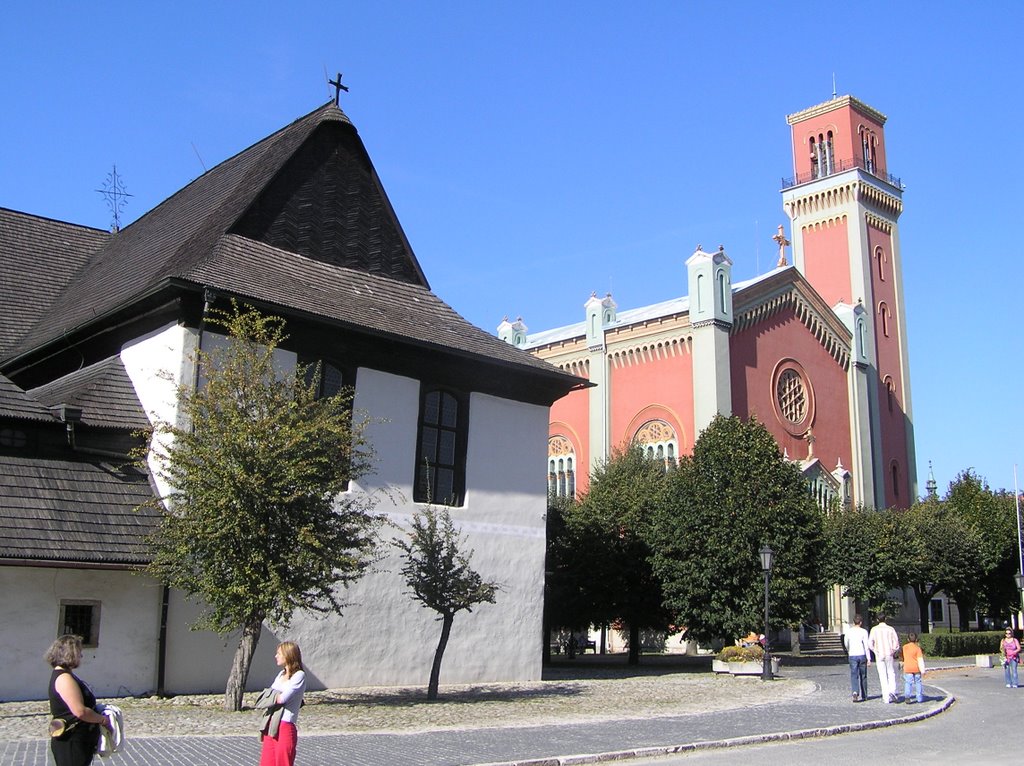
(55, 563)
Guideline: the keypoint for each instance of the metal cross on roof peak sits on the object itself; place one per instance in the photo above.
(116, 195)
(338, 88)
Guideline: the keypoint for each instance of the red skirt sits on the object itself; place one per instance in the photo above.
(279, 750)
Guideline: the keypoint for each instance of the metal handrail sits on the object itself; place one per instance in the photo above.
(839, 167)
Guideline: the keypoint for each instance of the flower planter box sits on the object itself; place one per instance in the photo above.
(743, 668)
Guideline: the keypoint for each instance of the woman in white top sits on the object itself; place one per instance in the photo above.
(290, 685)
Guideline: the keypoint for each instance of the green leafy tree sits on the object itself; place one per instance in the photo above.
(736, 494)
(257, 527)
(866, 554)
(440, 577)
(992, 518)
(941, 552)
(611, 528)
(568, 564)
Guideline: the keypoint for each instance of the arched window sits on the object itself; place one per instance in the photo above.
(883, 315)
(894, 469)
(700, 293)
(561, 467)
(880, 260)
(890, 391)
(830, 162)
(814, 158)
(722, 287)
(659, 442)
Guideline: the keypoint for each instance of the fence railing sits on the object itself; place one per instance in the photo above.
(838, 167)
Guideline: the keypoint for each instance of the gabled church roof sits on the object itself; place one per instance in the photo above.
(308, 188)
(299, 220)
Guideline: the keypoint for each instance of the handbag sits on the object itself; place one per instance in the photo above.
(58, 727)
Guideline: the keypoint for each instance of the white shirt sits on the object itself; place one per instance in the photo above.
(884, 641)
(857, 641)
(290, 691)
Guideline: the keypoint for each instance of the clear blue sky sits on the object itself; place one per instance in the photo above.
(537, 151)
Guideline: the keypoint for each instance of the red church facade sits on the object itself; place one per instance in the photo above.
(816, 349)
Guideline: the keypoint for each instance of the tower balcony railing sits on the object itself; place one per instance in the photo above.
(839, 167)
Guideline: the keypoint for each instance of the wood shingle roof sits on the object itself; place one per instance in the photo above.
(38, 258)
(16, 404)
(104, 393)
(73, 511)
(299, 221)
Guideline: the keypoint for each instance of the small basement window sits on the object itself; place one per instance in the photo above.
(80, 618)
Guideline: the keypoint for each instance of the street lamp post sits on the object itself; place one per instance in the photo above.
(1019, 577)
(767, 556)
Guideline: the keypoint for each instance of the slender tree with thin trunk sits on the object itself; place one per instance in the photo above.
(256, 525)
(440, 577)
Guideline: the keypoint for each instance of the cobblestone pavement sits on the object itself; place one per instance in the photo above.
(607, 711)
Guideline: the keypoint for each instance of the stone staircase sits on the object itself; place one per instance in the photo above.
(822, 644)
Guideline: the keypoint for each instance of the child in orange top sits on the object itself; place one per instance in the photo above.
(913, 668)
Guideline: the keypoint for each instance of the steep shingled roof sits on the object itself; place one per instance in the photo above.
(103, 391)
(15, 403)
(38, 258)
(356, 298)
(300, 220)
(56, 510)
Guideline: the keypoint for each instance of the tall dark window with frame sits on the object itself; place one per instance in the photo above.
(332, 379)
(441, 453)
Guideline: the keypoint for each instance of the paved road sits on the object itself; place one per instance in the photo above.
(827, 709)
(984, 726)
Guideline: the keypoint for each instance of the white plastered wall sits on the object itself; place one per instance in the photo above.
(123, 662)
(384, 637)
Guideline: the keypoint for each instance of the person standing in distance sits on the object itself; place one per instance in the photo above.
(885, 643)
(1009, 648)
(857, 649)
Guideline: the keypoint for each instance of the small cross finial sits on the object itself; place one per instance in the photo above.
(780, 238)
(338, 88)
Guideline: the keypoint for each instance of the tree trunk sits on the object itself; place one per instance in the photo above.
(435, 670)
(242, 662)
(923, 602)
(634, 645)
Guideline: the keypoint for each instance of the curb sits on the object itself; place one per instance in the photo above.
(753, 739)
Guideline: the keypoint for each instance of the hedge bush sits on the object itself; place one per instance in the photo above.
(960, 644)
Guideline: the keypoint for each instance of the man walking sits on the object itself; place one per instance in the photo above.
(857, 649)
(885, 643)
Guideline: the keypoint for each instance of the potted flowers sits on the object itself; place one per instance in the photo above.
(742, 661)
